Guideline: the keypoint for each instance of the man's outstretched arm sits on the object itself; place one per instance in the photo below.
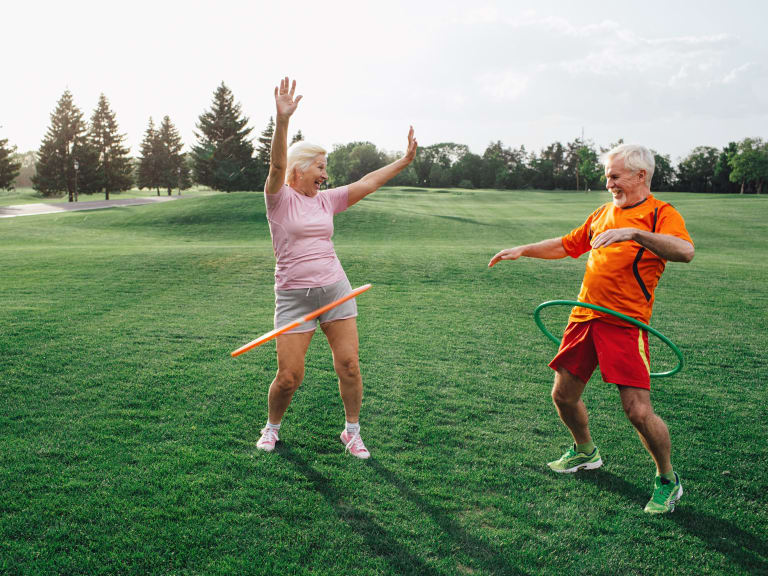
(551, 249)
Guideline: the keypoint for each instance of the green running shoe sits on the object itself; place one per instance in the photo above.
(665, 496)
(573, 461)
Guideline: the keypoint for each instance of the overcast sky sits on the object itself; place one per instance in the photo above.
(679, 75)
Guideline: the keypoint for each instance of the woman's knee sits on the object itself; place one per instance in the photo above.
(289, 379)
(348, 368)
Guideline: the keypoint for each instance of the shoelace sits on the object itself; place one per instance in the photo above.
(357, 442)
(570, 454)
(270, 434)
(660, 496)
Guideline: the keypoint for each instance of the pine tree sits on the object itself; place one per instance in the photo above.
(298, 137)
(63, 144)
(9, 167)
(173, 168)
(150, 159)
(114, 166)
(265, 142)
(264, 150)
(87, 179)
(223, 157)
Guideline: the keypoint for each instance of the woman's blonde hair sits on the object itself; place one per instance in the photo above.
(300, 155)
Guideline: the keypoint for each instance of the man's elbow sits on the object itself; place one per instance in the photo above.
(687, 254)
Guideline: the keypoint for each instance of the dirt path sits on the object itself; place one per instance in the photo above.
(34, 209)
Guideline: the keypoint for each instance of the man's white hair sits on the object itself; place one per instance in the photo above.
(635, 158)
(300, 155)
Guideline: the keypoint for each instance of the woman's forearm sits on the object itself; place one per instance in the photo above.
(279, 152)
(375, 180)
(278, 157)
(379, 177)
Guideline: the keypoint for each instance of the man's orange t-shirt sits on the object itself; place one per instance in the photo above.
(624, 275)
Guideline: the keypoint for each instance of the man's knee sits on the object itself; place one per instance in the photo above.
(567, 388)
(638, 413)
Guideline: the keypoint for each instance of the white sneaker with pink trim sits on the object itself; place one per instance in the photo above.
(268, 439)
(355, 445)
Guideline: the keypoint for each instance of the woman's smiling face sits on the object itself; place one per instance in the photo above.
(309, 180)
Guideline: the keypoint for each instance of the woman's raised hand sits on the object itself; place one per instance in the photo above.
(410, 153)
(284, 100)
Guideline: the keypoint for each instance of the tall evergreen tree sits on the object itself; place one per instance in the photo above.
(223, 157)
(9, 167)
(114, 166)
(64, 143)
(174, 172)
(264, 149)
(150, 160)
(298, 137)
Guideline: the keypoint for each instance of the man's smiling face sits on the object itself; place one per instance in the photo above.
(626, 186)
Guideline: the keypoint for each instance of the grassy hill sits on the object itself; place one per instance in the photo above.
(127, 433)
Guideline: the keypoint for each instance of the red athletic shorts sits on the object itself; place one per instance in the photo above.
(621, 351)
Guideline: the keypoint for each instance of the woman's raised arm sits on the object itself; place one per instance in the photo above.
(374, 180)
(286, 105)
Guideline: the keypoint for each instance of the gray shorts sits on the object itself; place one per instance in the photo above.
(291, 305)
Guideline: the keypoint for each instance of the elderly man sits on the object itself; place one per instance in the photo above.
(629, 241)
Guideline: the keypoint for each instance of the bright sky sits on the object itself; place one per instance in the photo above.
(681, 74)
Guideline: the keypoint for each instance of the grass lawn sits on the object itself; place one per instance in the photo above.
(127, 433)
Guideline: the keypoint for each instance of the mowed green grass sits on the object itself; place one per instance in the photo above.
(127, 433)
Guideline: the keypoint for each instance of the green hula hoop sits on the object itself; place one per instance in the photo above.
(659, 335)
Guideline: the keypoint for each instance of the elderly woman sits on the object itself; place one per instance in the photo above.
(308, 273)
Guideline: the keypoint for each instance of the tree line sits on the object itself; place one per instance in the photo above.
(79, 157)
(738, 168)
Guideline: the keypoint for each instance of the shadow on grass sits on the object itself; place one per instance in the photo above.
(482, 553)
(725, 537)
(382, 543)
(376, 537)
(463, 220)
(460, 219)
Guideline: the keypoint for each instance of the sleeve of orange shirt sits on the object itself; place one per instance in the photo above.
(578, 240)
(671, 222)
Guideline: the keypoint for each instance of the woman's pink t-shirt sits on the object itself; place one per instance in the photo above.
(301, 230)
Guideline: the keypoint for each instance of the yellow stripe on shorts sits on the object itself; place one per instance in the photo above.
(641, 349)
